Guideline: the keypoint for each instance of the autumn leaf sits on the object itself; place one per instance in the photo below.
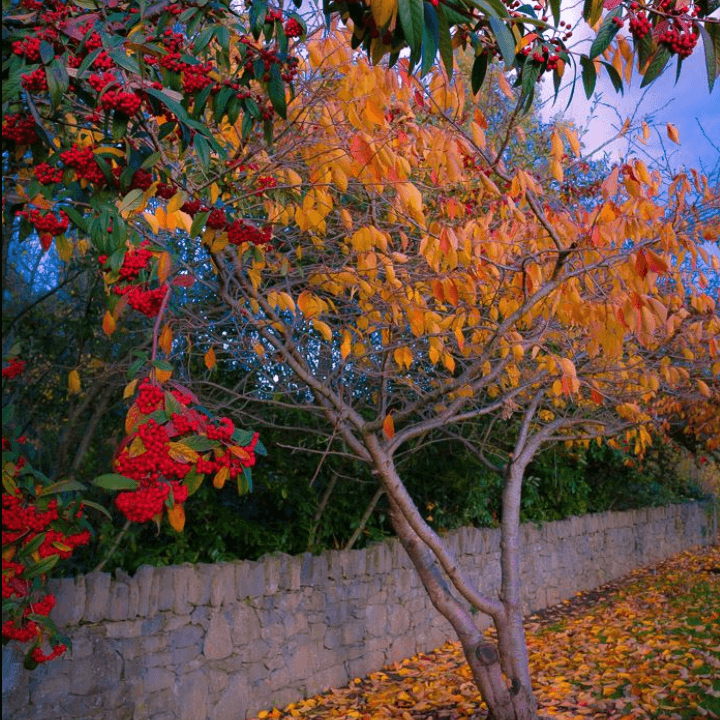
(673, 133)
(209, 359)
(73, 382)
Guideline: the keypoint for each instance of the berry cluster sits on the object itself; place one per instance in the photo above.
(15, 367)
(82, 160)
(47, 174)
(293, 28)
(48, 225)
(143, 299)
(19, 130)
(639, 25)
(680, 39)
(135, 261)
(155, 456)
(263, 183)
(240, 232)
(36, 81)
(31, 518)
(121, 102)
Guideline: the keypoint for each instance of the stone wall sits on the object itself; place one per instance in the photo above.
(220, 642)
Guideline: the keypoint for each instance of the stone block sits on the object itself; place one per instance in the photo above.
(378, 559)
(249, 579)
(158, 678)
(244, 624)
(147, 599)
(222, 587)
(97, 594)
(218, 640)
(376, 620)
(198, 586)
(125, 629)
(334, 676)
(191, 694)
(71, 600)
(119, 605)
(165, 577)
(185, 636)
(398, 620)
(306, 569)
(182, 577)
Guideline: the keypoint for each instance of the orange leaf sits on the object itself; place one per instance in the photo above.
(166, 338)
(73, 382)
(108, 323)
(163, 267)
(210, 360)
(220, 477)
(176, 517)
(388, 426)
(673, 133)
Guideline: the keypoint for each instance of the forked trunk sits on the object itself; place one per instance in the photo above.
(507, 697)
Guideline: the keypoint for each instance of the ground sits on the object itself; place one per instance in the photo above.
(644, 647)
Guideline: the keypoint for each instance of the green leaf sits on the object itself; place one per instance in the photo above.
(657, 65)
(47, 52)
(198, 223)
(242, 437)
(32, 546)
(58, 81)
(608, 30)
(131, 201)
(431, 31)
(115, 481)
(555, 9)
(127, 62)
(445, 41)
(592, 10)
(162, 365)
(479, 70)
(96, 506)
(203, 150)
(61, 487)
(711, 42)
(276, 91)
(200, 443)
(193, 480)
(589, 75)
(77, 219)
(41, 567)
(173, 105)
(505, 40)
(410, 13)
(614, 76)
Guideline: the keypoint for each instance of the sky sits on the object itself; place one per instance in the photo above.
(688, 105)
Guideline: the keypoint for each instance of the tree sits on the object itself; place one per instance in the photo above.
(381, 262)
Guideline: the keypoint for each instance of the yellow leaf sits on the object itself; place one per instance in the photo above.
(704, 389)
(73, 382)
(572, 138)
(645, 132)
(388, 426)
(556, 170)
(163, 267)
(556, 146)
(129, 389)
(176, 517)
(152, 221)
(108, 323)
(161, 375)
(383, 11)
(221, 476)
(323, 329)
(176, 202)
(166, 339)
(673, 134)
(214, 193)
(182, 453)
(346, 346)
(210, 359)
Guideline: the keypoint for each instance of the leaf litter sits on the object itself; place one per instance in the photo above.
(646, 647)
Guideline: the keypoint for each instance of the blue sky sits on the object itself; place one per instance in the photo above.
(684, 104)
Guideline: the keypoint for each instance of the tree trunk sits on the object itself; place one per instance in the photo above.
(506, 697)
